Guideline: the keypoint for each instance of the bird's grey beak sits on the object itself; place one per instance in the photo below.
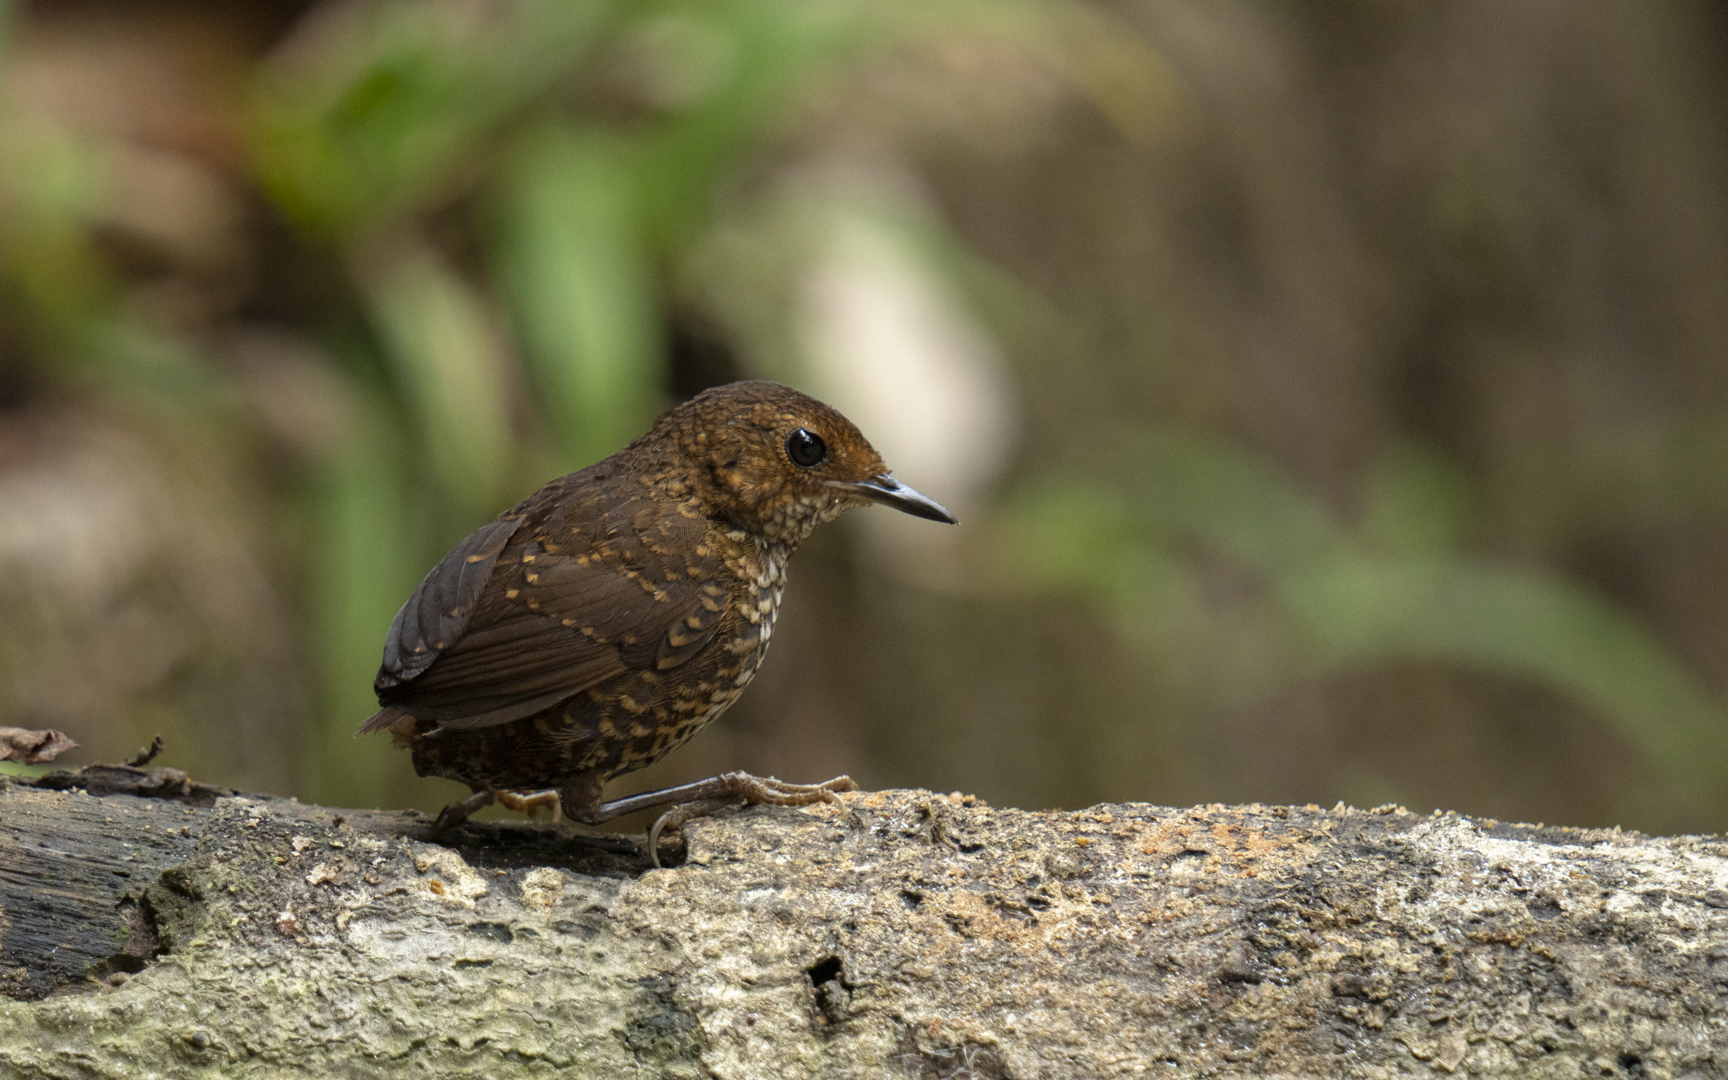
(888, 491)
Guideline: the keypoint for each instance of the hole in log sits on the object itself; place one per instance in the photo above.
(832, 992)
(828, 969)
(143, 944)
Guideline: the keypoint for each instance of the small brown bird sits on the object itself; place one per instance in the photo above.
(597, 625)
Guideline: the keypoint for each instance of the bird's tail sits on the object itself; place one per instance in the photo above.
(390, 718)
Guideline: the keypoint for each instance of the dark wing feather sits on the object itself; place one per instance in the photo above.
(552, 623)
(438, 610)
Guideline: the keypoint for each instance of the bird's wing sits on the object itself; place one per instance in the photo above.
(552, 622)
(439, 609)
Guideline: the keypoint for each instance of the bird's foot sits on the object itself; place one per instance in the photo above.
(457, 812)
(706, 796)
(531, 804)
(676, 817)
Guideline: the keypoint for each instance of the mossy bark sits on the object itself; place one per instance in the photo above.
(911, 935)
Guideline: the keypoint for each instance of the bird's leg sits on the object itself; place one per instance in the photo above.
(533, 803)
(580, 797)
(706, 796)
(457, 812)
(732, 787)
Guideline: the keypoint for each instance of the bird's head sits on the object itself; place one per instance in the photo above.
(781, 462)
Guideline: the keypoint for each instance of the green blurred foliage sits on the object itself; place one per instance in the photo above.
(1322, 596)
(521, 199)
(582, 284)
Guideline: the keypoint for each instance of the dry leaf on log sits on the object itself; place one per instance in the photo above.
(32, 747)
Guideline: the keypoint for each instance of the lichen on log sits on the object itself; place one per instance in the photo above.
(905, 935)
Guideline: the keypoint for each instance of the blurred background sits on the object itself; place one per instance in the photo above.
(1334, 392)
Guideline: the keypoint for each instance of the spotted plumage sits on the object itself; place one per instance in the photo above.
(603, 621)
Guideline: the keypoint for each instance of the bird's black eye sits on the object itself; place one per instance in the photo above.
(806, 448)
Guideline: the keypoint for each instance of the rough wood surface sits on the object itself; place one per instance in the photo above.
(919, 936)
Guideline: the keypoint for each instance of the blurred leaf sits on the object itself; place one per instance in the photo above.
(148, 368)
(362, 565)
(1360, 610)
(378, 112)
(1416, 504)
(447, 355)
(1235, 500)
(776, 48)
(1340, 600)
(67, 300)
(584, 295)
(52, 187)
(1069, 535)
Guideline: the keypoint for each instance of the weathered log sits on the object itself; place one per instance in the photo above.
(913, 935)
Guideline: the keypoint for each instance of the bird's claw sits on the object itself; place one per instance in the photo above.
(457, 812)
(740, 787)
(676, 817)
